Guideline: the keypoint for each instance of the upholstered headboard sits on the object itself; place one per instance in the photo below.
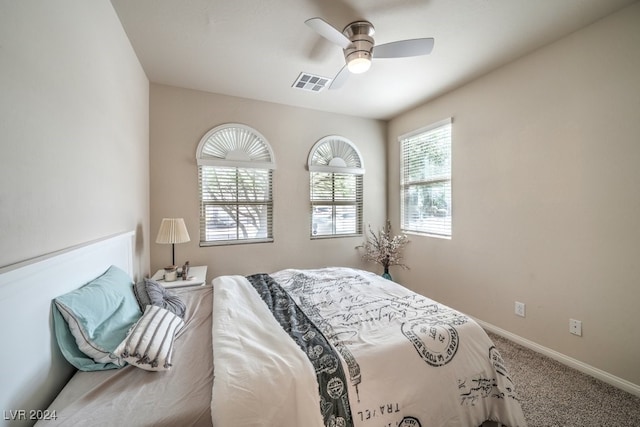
(32, 369)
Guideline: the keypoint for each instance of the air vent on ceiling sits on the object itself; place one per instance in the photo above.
(306, 81)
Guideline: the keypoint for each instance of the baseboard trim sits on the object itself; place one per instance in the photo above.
(615, 381)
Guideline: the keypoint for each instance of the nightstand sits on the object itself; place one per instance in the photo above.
(197, 277)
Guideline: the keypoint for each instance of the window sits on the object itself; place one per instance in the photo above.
(235, 166)
(336, 172)
(426, 180)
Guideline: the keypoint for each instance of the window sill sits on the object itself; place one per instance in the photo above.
(235, 242)
(333, 236)
(425, 234)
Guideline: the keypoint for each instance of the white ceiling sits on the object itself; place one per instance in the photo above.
(257, 48)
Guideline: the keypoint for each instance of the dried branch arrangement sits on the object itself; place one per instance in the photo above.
(383, 248)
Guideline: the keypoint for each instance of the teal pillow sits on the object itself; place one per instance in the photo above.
(91, 321)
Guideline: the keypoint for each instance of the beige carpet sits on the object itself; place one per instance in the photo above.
(553, 394)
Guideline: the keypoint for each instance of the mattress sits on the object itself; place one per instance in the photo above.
(131, 396)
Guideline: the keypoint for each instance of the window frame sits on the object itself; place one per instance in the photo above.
(251, 153)
(346, 160)
(444, 228)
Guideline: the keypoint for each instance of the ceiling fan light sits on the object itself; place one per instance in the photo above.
(359, 64)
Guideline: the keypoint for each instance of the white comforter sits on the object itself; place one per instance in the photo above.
(410, 361)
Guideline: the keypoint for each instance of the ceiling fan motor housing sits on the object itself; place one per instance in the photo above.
(361, 35)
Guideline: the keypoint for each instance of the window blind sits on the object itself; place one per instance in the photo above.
(237, 204)
(336, 204)
(426, 180)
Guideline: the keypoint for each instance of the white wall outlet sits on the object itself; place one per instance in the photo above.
(520, 309)
(575, 327)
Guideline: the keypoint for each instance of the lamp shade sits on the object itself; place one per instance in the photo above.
(172, 230)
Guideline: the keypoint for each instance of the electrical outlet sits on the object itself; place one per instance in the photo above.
(575, 327)
(520, 309)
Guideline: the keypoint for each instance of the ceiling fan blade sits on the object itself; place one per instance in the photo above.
(403, 48)
(340, 78)
(323, 28)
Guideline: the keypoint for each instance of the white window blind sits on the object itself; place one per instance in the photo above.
(336, 179)
(336, 203)
(426, 180)
(235, 175)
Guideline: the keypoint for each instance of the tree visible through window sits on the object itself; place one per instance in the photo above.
(426, 180)
(336, 188)
(235, 166)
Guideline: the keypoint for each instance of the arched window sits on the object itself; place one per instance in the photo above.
(235, 166)
(336, 170)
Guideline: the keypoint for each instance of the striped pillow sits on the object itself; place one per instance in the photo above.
(149, 344)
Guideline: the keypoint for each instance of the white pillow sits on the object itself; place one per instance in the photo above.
(149, 344)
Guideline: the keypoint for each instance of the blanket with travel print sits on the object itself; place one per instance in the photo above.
(345, 347)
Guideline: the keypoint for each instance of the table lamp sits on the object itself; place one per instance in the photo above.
(173, 230)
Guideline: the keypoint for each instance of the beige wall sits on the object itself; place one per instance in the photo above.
(73, 129)
(178, 120)
(546, 206)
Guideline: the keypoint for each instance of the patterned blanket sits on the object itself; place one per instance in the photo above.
(360, 351)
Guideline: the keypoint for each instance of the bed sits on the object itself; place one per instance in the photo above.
(328, 347)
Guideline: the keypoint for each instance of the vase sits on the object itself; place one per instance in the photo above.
(386, 274)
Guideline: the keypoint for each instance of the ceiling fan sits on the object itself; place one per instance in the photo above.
(356, 41)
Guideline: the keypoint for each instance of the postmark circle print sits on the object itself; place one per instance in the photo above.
(437, 344)
(409, 422)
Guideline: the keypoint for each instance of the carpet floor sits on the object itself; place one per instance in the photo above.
(555, 395)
